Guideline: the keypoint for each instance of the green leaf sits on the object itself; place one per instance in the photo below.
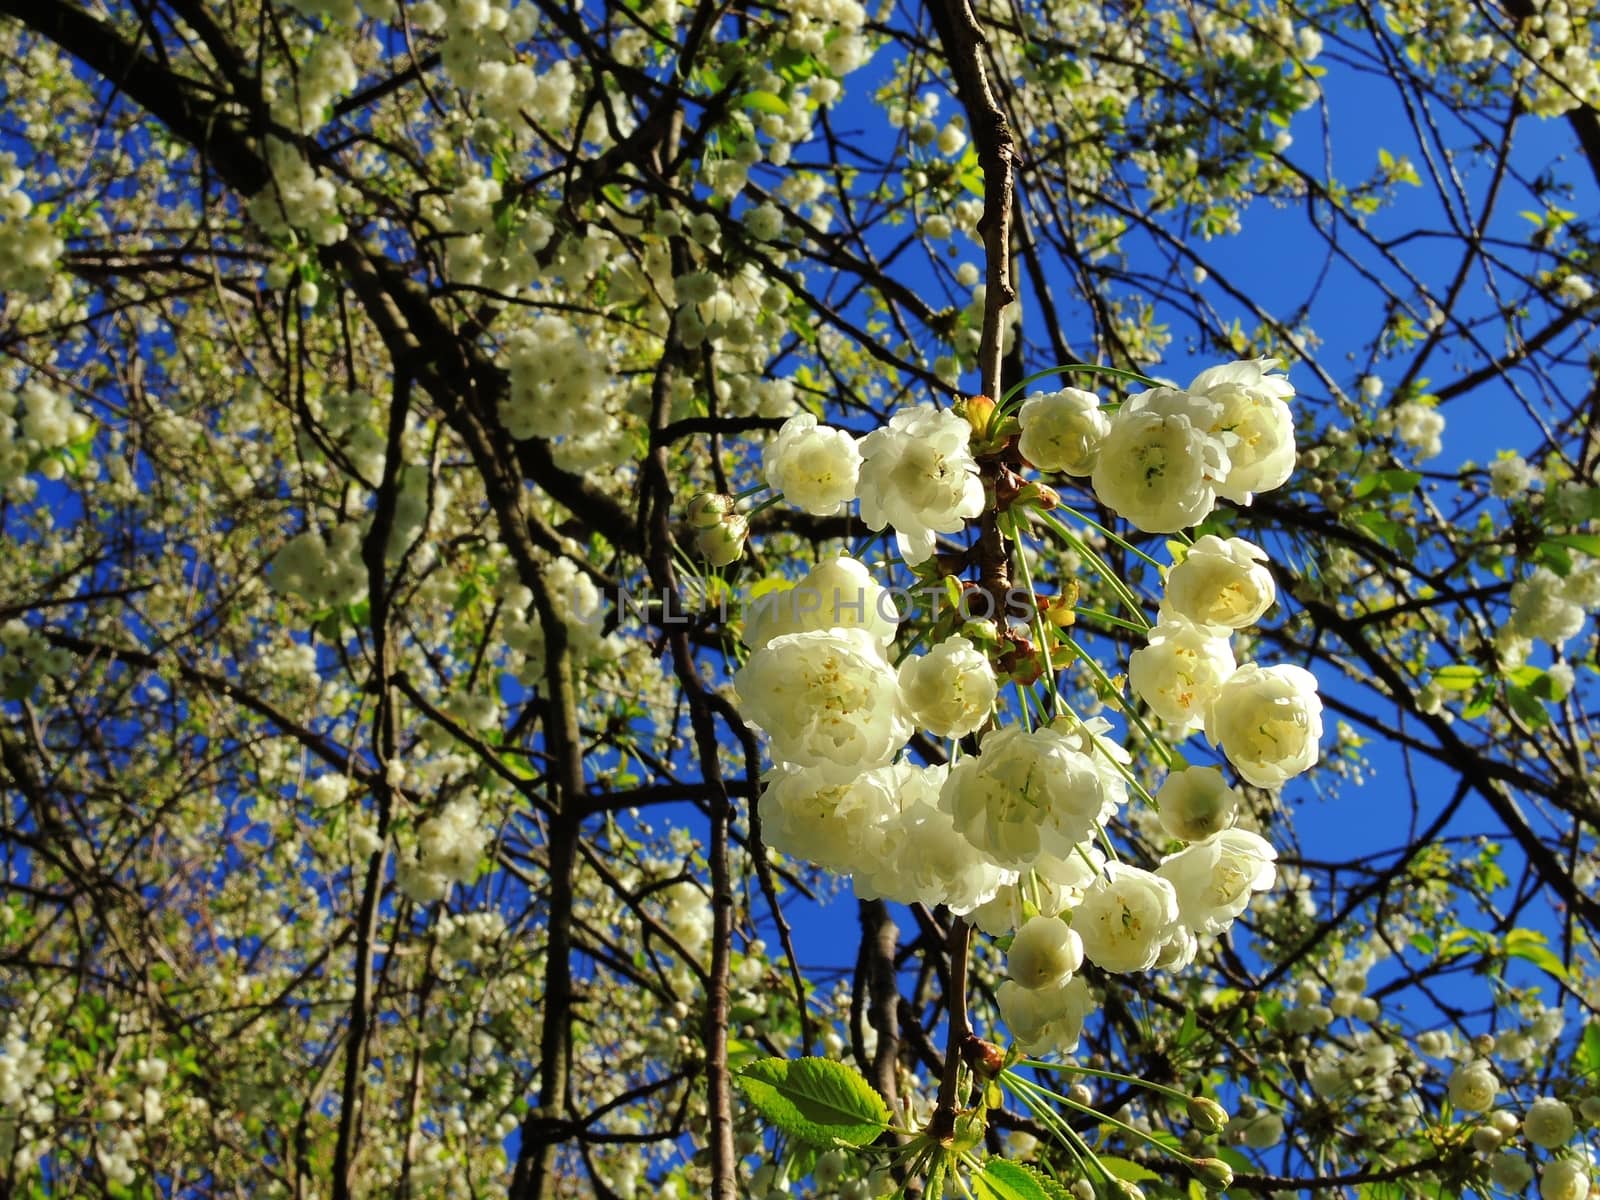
(1126, 1169)
(1384, 482)
(1532, 946)
(1002, 1180)
(766, 102)
(1458, 677)
(816, 1100)
(1588, 1056)
(1586, 543)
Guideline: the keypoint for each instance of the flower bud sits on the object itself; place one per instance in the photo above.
(1214, 1173)
(1196, 804)
(708, 509)
(1206, 1114)
(723, 542)
(1486, 1139)
(979, 413)
(1548, 1123)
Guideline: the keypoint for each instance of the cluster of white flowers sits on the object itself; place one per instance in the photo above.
(324, 75)
(577, 602)
(1166, 455)
(1419, 426)
(1008, 833)
(1267, 720)
(297, 199)
(30, 251)
(1551, 608)
(35, 422)
(448, 847)
(1511, 476)
(558, 382)
(471, 937)
(916, 474)
(322, 572)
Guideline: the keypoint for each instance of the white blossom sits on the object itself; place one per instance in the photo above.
(1179, 672)
(1215, 878)
(1062, 431)
(1159, 466)
(1255, 424)
(815, 467)
(951, 690)
(1044, 953)
(1024, 794)
(1126, 918)
(1220, 583)
(1548, 1123)
(1268, 721)
(918, 476)
(1196, 803)
(838, 593)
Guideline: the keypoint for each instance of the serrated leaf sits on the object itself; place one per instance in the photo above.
(816, 1100)
(1003, 1180)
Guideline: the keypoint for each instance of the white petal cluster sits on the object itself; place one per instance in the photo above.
(951, 690)
(1044, 953)
(1220, 583)
(839, 593)
(838, 826)
(1046, 1021)
(1214, 879)
(297, 198)
(1255, 424)
(1179, 672)
(1268, 721)
(1196, 803)
(322, 573)
(1126, 918)
(30, 251)
(826, 699)
(558, 382)
(1564, 1179)
(813, 466)
(448, 847)
(1024, 794)
(1062, 431)
(1159, 466)
(1548, 1123)
(1547, 607)
(1420, 427)
(918, 476)
(35, 422)
(1171, 452)
(1473, 1086)
(923, 859)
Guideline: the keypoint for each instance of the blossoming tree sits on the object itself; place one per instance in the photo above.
(945, 599)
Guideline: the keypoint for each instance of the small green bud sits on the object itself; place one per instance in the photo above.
(1207, 1115)
(1214, 1173)
(723, 542)
(709, 509)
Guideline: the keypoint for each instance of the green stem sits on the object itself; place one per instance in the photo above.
(1128, 546)
(1076, 543)
(1082, 368)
